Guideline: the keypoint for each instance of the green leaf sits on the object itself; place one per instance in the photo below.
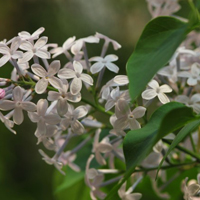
(139, 143)
(180, 136)
(158, 42)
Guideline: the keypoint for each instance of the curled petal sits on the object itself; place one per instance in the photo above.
(121, 79)
(26, 56)
(80, 112)
(26, 46)
(77, 127)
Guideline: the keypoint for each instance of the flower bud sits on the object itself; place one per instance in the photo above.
(2, 93)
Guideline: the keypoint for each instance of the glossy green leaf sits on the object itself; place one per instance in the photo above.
(139, 143)
(180, 136)
(158, 42)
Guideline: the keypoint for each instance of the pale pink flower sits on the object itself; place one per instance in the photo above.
(18, 104)
(65, 47)
(71, 119)
(34, 50)
(77, 77)
(46, 76)
(24, 35)
(100, 63)
(8, 123)
(10, 53)
(115, 44)
(2, 93)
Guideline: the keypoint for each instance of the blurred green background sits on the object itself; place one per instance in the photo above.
(23, 174)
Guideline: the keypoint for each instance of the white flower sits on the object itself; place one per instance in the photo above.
(116, 95)
(18, 104)
(104, 62)
(8, 123)
(127, 195)
(10, 53)
(71, 119)
(36, 49)
(62, 97)
(193, 102)
(65, 47)
(46, 76)
(126, 118)
(77, 76)
(52, 161)
(157, 91)
(115, 44)
(101, 147)
(193, 76)
(76, 48)
(42, 118)
(170, 72)
(24, 35)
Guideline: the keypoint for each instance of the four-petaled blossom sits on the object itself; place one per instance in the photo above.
(42, 118)
(18, 104)
(24, 35)
(77, 76)
(126, 117)
(104, 62)
(157, 91)
(65, 47)
(193, 102)
(71, 119)
(46, 76)
(10, 53)
(62, 97)
(36, 49)
(193, 76)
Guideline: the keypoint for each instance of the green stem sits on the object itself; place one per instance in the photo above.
(192, 143)
(165, 167)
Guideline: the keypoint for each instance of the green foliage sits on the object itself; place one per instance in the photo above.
(180, 136)
(158, 42)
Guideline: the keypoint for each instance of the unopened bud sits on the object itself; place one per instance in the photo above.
(2, 93)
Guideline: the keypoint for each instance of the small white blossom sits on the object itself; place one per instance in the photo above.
(10, 53)
(24, 35)
(65, 47)
(157, 91)
(77, 77)
(104, 62)
(193, 75)
(46, 76)
(34, 50)
(19, 104)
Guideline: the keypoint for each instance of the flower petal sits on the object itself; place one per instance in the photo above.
(62, 106)
(18, 116)
(97, 67)
(149, 94)
(134, 124)
(54, 68)
(43, 54)
(153, 84)
(55, 82)
(139, 112)
(111, 58)
(163, 98)
(18, 94)
(80, 112)
(78, 67)
(41, 86)
(42, 106)
(28, 106)
(27, 56)
(112, 67)
(165, 88)
(76, 86)
(33, 116)
(87, 79)
(40, 42)
(192, 81)
(52, 119)
(53, 96)
(121, 79)
(77, 127)
(4, 59)
(66, 73)
(7, 105)
(26, 46)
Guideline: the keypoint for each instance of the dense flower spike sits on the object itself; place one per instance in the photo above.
(67, 112)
